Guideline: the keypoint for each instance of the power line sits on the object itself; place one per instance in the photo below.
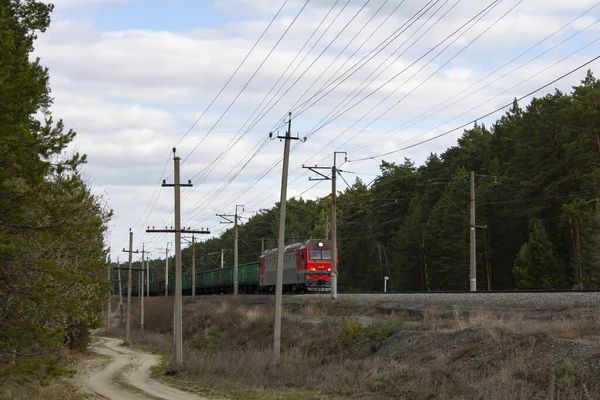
(203, 113)
(259, 117)
(248, 82)
(483, 116)
(476, 19)
(380, 49)
(231, 77)
(406, 124)
(229, 146)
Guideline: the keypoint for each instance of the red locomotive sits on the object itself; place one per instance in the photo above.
(306, 268)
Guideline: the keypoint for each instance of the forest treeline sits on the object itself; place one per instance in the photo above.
(52, 249)
(537, 189)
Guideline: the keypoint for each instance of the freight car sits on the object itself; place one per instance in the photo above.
(306, 268)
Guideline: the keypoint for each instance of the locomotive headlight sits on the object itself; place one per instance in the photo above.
(312, 268)
(320, 244)
(329, 269)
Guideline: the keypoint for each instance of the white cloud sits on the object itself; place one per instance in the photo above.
(132, 94)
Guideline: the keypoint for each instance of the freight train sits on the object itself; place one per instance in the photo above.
(306, 268)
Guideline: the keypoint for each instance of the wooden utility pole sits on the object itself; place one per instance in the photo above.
(334, 172)
(228, 220)
(281, 240)
(130, 251)
(178, 328)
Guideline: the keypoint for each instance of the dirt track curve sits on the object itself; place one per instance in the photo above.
(123, 374)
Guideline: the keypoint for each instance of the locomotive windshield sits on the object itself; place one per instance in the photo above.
(319, 254)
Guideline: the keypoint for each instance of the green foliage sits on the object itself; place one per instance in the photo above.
(52, 227)
(541, 163)
(352, 332)
(209, 342)
(568, 373)
(536, 266)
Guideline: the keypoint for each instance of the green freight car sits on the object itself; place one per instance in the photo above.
(216, 281)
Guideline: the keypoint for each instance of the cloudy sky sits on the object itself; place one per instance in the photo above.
(213, 77)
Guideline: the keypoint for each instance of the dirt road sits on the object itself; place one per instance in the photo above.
(123, 374)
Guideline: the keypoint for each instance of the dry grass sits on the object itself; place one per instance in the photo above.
(578, 327)
(57, 390)
(350, 350)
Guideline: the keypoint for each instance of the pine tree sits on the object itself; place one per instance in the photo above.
(536, 265)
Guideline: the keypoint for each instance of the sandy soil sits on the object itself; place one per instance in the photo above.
(123, 374)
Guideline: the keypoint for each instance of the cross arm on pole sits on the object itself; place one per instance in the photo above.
(204, 231)
(314, 169)
(132, 251)
(127, 269)
(227, 218)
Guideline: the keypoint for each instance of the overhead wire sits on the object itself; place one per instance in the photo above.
(200, 117)
(231, 77)
(248, 82)
(372, 157)
(335, 38)
(417, 120)
(206, 171)
(372, 53)
(517, 57)
(259, 117)
(485, 115)
(319, 56)
(347, 99)
(357, 65)
(239, 94)
(476, 18)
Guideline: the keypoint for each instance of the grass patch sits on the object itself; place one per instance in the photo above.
(345, 349)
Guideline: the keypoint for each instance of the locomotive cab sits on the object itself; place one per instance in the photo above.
(306, 267)
(317, 265)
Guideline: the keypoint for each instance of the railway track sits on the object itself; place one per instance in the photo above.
(539, 298)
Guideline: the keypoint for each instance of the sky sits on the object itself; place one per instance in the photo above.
(213, 78)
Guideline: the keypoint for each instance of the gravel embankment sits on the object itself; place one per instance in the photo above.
(541, 299)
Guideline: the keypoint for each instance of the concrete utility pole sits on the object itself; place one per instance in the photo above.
(222, 259)
(227, 219)
(334, 172)
(148, 275)
(473, 227)
(178, 328)
(281, 240)
(262, 245)
(193, 267)
(167, 270)
(109, 297)
(473, 258)
(142, 289)
(130, 251)
(140, 276)
(120, 287)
